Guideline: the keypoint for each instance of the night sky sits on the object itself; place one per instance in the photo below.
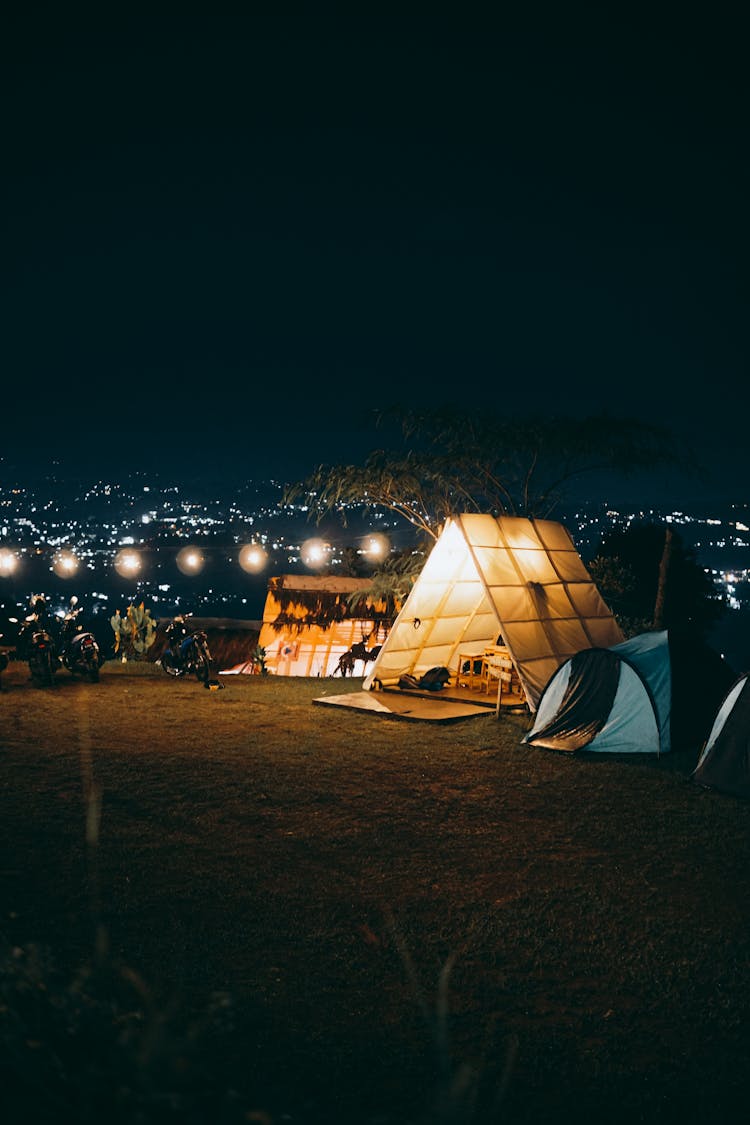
(228, 238)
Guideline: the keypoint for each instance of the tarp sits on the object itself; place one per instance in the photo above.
(488, 580)
(391, 705)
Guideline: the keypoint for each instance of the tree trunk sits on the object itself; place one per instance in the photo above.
(662, 584)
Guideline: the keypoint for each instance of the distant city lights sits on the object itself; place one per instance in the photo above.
(131, 531)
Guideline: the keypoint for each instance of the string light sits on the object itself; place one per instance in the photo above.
(127, 563)
(376, 546)
(190, 560)
(65, 564)
(8, 562)
(314, 553)
(253, 558)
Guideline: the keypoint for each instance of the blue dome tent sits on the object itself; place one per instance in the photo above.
(609, 700)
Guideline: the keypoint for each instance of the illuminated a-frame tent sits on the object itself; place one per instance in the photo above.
(488, 578)
(309, 622)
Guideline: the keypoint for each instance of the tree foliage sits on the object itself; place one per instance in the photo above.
(391, 583)
(448, 461)
(626, 571)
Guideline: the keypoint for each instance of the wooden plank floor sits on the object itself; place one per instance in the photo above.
(456, 694)
(449, 705)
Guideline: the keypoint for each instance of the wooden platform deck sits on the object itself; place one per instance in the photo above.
(450, 705)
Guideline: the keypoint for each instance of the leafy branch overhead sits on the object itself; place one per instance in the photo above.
(445, 462)
(391, 585)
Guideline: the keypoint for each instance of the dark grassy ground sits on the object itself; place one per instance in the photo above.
(308, 914)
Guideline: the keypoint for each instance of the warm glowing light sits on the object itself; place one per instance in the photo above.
(375, 546)
(314, 553)
(8, 562)
(253, 558)
(127, 563)
(447, 556)
(190, 560)
(65, 564)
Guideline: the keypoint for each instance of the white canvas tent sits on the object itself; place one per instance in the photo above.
(488, 577)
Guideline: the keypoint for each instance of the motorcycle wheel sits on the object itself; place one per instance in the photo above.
(169, 666)
(202, 667)
(94, 673)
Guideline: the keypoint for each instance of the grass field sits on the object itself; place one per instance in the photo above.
(235, 906)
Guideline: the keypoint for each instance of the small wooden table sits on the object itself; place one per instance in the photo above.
(472, 677)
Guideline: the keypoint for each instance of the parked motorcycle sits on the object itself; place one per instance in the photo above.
(36, 644)
(186, 652)
(79, 650)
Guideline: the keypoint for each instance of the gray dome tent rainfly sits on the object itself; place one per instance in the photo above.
(724, 763)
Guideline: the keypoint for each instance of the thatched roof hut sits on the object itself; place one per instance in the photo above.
(309, 621)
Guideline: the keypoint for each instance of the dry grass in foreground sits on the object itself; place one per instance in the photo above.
(235, 906)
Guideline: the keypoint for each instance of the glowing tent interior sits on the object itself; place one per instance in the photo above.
(488, 578)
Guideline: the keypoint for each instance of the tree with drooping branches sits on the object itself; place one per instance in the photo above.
(452, 461)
